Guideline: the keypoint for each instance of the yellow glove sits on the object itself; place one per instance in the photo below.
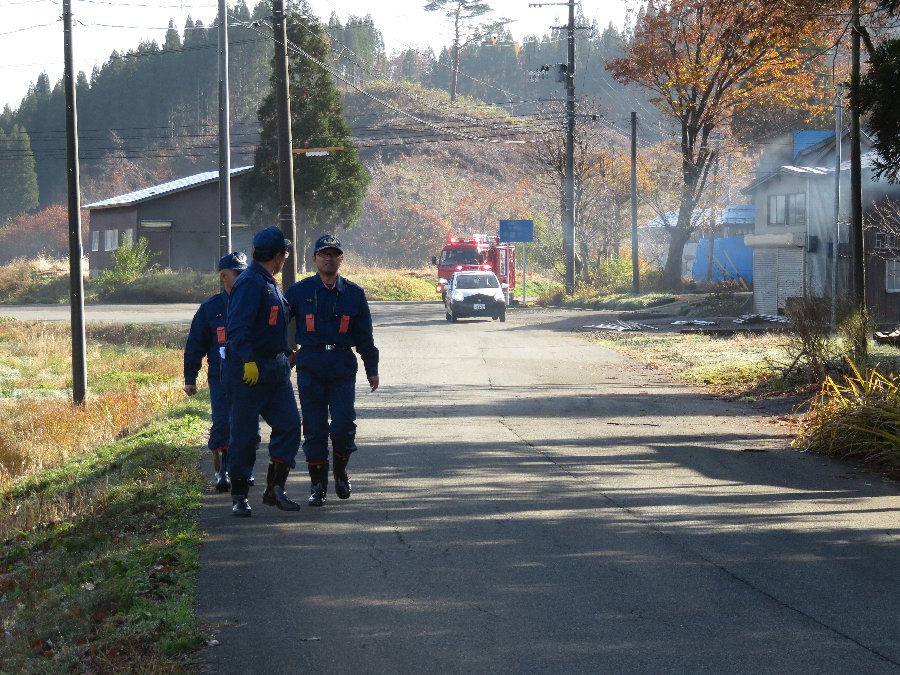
(251, 373)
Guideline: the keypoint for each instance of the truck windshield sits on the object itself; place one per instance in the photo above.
(460, 256)
(469, 281)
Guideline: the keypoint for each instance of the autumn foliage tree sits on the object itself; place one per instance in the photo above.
(704, 61)
(43, 232)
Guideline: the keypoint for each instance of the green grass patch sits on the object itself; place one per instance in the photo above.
(105, 581)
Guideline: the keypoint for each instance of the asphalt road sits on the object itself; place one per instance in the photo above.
(525, 501)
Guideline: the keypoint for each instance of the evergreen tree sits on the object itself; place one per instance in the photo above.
(18, 180)
(879, 93)
(328, 190)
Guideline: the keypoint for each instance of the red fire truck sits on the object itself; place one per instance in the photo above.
(476, 252)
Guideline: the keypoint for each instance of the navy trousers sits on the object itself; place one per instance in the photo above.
(272, 398)
(218, 399)
(326, 382)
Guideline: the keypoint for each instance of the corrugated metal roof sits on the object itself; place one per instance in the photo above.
(867, 162)
(171, 187)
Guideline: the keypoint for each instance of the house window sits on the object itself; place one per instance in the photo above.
(128, 237)
(110, 240)
(892, 275)
(95, 240)
(787, 209)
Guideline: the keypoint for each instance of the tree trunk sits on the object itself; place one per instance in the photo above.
(678, 237)
(454, 78)
(583, 261)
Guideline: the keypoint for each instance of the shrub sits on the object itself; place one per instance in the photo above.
(854, 329)
(130, 261)
(809, 339)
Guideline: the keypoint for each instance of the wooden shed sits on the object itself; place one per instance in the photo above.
(179, 219)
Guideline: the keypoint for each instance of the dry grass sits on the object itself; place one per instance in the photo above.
(37, 435)
(39, 426)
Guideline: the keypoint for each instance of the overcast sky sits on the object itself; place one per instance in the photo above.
(31, 39)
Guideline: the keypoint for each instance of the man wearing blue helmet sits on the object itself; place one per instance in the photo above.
(207, 339)
(332, 317)
(257, 373)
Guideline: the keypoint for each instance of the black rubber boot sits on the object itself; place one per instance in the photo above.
(281, 472)
(318, 475)
(341, 479)
(240, 507)
(220, 461)
(268, 497)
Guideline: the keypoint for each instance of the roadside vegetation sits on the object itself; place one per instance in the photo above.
(99, 535)
(846, 401)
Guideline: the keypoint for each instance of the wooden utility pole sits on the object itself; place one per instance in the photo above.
(857, 250)
(635, 260)
(835, 258)
(287, 215)
(224, 137)
(76, 275)
(569, 180)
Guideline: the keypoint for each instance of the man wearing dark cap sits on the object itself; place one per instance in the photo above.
(257, 374)
(207, 338)
(332, 316)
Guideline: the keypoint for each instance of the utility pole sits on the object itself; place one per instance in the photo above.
(224, 137)
(569, 226)
(287, 220)
(857, 250)
(76, 275)
(838, 131)
(713, 220)
(568, 182)
(635, 270)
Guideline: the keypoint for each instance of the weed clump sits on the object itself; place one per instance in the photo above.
(857, 415)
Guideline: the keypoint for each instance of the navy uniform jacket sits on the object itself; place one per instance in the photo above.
(206, 338)
(257, 317)
(339, 317)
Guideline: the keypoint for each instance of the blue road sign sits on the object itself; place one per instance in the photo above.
(517, 230)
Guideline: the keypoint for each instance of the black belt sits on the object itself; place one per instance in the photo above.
(327, 348)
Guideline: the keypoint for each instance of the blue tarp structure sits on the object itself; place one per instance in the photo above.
(732, 261)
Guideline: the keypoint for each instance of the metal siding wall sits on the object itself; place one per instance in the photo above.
(765, 280)
(790, 274)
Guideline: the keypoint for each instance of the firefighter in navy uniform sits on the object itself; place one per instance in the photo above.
(207, 338)
(257, 373)
(332, 316)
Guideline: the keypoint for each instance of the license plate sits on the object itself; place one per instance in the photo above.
(479, 306)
